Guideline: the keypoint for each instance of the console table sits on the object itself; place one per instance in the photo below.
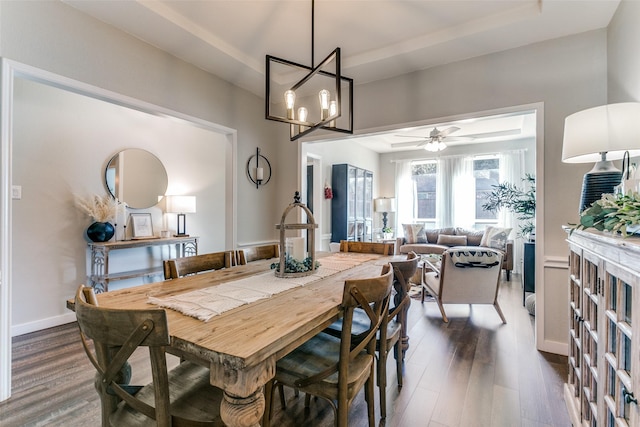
(100, 275)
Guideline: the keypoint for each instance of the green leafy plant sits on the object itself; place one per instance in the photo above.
(521, 202)
(613, 212)
(387, 230)
(292, 265)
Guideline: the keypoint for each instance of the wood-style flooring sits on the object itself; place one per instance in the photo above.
(473, 371)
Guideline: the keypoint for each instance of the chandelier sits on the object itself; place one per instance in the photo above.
(309, 97)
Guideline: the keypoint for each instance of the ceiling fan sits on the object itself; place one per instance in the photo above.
(434, 142)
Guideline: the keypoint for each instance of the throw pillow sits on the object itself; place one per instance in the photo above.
(474, 237)
(495, 237)
(414, 233)
(433, 233)
(447, 240)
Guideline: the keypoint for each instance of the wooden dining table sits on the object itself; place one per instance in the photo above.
(241, 346)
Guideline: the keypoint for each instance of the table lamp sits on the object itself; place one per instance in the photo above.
(181, 205)
(601, 134)
(385, 205)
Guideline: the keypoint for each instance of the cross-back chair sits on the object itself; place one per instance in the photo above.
(366, 247)
(332, 368)
(467, 275)
(179, 267)
(255, 253)
(393, 327)
(180, 397)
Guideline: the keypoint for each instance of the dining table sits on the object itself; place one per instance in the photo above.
(242, 344)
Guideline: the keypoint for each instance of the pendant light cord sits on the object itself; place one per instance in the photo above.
(312, 33)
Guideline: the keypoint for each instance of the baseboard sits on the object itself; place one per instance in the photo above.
(555, 347)
(38, 325)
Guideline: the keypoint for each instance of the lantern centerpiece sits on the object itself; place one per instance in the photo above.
(294, 260)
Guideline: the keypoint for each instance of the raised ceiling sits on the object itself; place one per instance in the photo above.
(379, 39)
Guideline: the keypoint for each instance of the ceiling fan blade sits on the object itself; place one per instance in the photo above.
(508, 132)
(449, 130)
(416, 144)
(412, 136)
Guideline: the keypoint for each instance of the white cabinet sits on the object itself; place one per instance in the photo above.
(604, 282)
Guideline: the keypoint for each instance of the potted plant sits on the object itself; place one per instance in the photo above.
(102, 209)
(521, 202)
(387, 233)
(617, 213)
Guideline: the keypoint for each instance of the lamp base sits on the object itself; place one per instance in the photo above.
(602, 179)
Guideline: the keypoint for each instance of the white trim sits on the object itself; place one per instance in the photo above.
(555, 347)
(11, 70)
(41, 324)
(5, 230)
(558, 262)
(541, 342)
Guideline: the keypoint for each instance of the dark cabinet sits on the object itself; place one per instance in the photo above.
(352, 204)
(529, 269)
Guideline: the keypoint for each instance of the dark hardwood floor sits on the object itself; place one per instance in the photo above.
(474, 371)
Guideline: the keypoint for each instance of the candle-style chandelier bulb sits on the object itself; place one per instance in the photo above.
(290, 101)
(324, 96)
(333, 110)
(302, 114)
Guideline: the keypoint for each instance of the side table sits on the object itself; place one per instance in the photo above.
(100, 276)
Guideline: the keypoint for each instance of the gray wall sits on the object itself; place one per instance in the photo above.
(567, 75)
(623, 49)
(51, 36)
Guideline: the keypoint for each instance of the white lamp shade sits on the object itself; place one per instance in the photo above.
(385, 204)
(613, 128)
(181, 204)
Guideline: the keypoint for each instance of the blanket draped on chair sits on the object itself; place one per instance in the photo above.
(469, 258)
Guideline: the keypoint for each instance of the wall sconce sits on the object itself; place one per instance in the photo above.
(256, 173)
(181, 205)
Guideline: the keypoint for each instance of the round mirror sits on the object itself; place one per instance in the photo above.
(137, 178)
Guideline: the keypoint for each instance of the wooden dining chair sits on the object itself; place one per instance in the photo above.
(255, 253)
(392, 329)
(467, 275)
(332, 368)
(366, 247)
(182, 396)
(179, 267)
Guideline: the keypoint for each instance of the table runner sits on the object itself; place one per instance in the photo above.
(206, 303)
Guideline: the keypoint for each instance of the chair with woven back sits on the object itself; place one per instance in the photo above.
(255, 253)
(180, 397)
(332, 368)
(179, 267)
(366, 247)
(467, 275)
(390, 336)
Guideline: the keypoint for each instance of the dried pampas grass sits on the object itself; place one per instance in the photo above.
(100, 208)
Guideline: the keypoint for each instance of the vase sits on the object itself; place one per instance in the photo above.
(100, 231)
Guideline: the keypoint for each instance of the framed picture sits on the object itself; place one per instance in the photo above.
(142, 227)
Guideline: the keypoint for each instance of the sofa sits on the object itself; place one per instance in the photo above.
(437, 240)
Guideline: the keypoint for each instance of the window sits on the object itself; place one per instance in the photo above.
(486, 172)
(424, 177)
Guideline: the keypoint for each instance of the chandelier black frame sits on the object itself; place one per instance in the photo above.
(299, 128)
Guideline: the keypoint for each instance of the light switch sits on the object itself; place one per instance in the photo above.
(16, 192)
